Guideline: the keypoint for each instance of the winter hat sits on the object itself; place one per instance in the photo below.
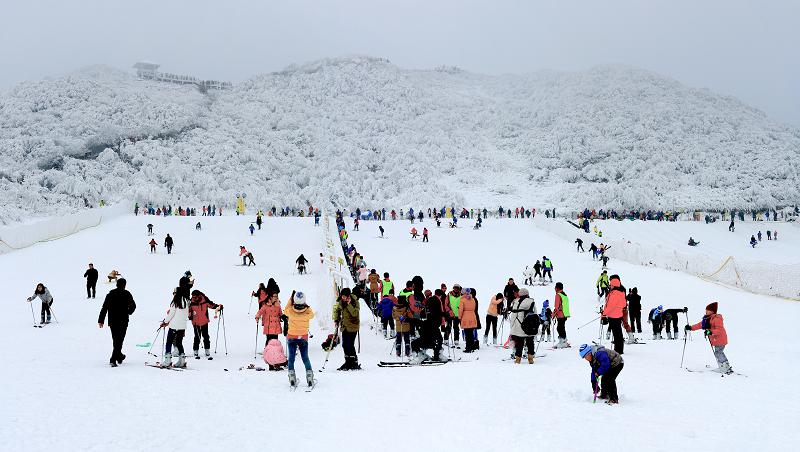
(188, 273)
(299, 299)
(585, 350)
(712, 307)
(546, 304)
(523, 292)
(467, 291)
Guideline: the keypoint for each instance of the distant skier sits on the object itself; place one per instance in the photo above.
(547, 268)
(537, 269)
(119, 306)
(150, 229)
(607, 364)
(759, 236)
(769, 234)
(114, 275)
(602, 284)
(91, 281)
(259, 220)
(714, 329)
(655, 318)
(247, 256)
(635, 310)
(732, 226)
(580, 245)
(198, 314)
(593, 250)
(380, 228)
(413, 233)
(153, 245)
(604, 259)
(169, 243)
(355, 224)
(670, 318)
(753, 241)
(43, 293)
(528, 274)
(561, 313)
(424, 233)
(692, 242)
(252, 229)
(301, 262)
(198, 227)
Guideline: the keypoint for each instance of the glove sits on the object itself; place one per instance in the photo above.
(164, 324)
(688, 328)
(402, 318)
(707, 333)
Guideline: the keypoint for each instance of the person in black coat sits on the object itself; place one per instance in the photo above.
(509, 292)
(185, 284)
(635, 310)
(91, 281)
(119, 305)
(169, 243)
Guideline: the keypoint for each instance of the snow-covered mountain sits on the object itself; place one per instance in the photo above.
(361, 131)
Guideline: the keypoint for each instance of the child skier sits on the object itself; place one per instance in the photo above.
(400, 315)
(273, 355)
(247, 256)
(384, 309)
(301, 262)
(537, 269)
(714, 329)
(43, 293)
(252, 229)
(198, 314)
(528, 274)
(153, 245)
(655, 318)
(177, 315)
(607, 364)
(413, 233)
(546, 316)
(299, 316)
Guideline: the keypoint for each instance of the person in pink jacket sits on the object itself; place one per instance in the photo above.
(614, 311)
(713, 327)
(270, 314)
(274, 356)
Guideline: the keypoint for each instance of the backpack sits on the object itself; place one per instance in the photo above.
(530, 323)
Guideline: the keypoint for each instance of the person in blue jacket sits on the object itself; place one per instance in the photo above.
(606, 364)
(384, 308)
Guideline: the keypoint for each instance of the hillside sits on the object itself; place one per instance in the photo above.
(361, 131)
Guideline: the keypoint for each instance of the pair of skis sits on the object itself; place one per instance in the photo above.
(716, 370)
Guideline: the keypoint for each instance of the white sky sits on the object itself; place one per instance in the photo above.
(749, 49)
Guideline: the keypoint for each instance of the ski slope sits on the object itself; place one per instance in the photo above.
(59, 393)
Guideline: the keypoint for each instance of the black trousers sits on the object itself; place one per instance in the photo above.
(452, 323)
(615, 325)
(91, 289)
(169, 249)
(656, 326)
(608, 383)
(201, 331)
(117, 338)
(636, 321)
(491, 322)
(561, 328)
(520, 342)
(547, 273)
(46, 311)
(469, 338)
(388, 321)
(672, 321)
(348, 343)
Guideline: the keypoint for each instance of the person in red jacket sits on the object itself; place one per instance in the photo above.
(198, 314)
(614, 311)
(270, 314)
(714, 329)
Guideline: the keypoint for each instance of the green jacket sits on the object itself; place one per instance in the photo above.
(348, 316)
(387, 286)
(455, 302)
(602, 281)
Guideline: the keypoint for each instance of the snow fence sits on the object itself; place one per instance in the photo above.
(781, 280)
(22, 236)
(338, 272)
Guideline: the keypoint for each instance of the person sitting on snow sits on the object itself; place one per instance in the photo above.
(114, 275)
(692, 242)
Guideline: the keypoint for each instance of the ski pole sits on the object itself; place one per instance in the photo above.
(33, 316)
(587, 323)
(251, 305)
(224, 332)
(255, 347)
(684, 346)
(216, 341)
(150, 351)
(53, 313)
(330, 349)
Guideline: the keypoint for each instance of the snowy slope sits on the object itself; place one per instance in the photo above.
(361, 131)
(59, 392)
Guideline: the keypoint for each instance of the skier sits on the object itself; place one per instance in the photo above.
(510, 291)
(386, 285)
(374, 288)
(593, 250)
(537, 272)
(43, 293)
(470, 323)
(198, 314)
(91, 281)
(670, 318)
(301, 262)
(713, 327)
(453, 321)
(546, 319)
(561, 313)
(198, 227)
(273, 355)
(149, 228)
(185, 284)
(259, 220)
(270, 313)
(119, 305)
(732, 226)
(384, 309)
(602, 284)
(518, 309)
(607, 364)
(692, 242)
(252, 229)
(346, 315)
(247, 256)
(655, 318)
(424, 233)
(380, 228)
(169, 243)
(759, 236)
(528, 274)
(153, 245)
(635, 310)
(177, 315)
(769, 234)
(355, 224)
(491, 318)
(413, 233)
(613, 311)
(299, 315)
(753, 241)
(580, 244)
(400, 316)
(604, 258)
(114, 275)
(547, 268)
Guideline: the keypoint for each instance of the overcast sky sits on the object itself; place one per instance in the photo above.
(748, 49)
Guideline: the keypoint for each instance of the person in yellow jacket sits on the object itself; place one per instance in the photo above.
(346, 316)
(299, 315)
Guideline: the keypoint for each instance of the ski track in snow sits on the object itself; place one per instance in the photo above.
(59, 393)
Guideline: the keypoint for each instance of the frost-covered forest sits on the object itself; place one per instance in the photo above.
(363, 132)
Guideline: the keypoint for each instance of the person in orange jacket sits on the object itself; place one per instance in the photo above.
(713, 327)
(270, 314)
(413, 233)
(614, 311)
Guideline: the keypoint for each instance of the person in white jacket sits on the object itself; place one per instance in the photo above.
(517, 311)
(177, 316)
(528, 274)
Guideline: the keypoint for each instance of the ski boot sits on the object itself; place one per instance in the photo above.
(530, 359)
(549, 338)
(494, 341)
(608, 334)
(408, 351)
(208, 354)
(669, 335)
(310, 377)
(167, 362)
(292, 378)
(181, 361)
(726, 368)
(197, 354)
(419, 358)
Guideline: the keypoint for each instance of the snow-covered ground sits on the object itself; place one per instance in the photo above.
(59, 393)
